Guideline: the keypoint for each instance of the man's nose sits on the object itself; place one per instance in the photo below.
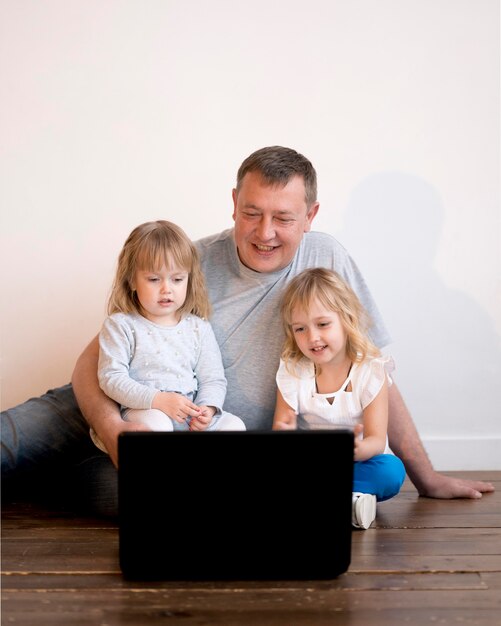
(266, 230)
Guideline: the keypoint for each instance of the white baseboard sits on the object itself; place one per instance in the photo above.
(464, 453)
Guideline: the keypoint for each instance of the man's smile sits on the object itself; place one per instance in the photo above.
(263, 248)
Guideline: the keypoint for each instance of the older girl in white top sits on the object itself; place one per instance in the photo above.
(332, 376)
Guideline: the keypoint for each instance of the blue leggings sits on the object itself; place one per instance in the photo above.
(382, 476)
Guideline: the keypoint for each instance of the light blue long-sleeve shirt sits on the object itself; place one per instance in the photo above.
(138, 358)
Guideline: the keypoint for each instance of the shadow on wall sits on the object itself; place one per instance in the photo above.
(446, 349)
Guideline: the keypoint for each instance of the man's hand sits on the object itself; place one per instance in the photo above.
(109, 435)
(406, 444)
(448, 487)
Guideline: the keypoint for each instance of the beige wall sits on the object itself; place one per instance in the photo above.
(118, 112)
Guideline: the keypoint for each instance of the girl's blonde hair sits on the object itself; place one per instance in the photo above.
(148, 248)
(332, 292)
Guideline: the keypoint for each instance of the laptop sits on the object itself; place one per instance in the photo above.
(235, 505)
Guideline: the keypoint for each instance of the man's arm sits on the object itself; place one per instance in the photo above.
(101, 412)
(406, 444)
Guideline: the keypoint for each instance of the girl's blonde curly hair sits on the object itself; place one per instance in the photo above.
(335, 294)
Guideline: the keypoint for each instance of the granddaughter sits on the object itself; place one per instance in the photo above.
(158, 356)
(332, 375)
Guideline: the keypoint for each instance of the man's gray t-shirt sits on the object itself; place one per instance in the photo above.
(246, 316)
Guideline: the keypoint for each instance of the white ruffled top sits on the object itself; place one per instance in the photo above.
(314, 410)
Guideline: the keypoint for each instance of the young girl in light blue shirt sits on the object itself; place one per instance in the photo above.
(159, 358)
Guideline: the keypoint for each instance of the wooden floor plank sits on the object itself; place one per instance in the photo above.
(96, 550)
(408, 510)
(349, 581)
(258, 599)
(429, 541)
(401, 563)
(257, 607)
(160, 616)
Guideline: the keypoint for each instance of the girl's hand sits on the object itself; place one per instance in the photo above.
(375, 424)
(283, 426)
(175, 405)
(202, 421)
(357, 433)
(285, 417)
(367, 447)
(364, 448)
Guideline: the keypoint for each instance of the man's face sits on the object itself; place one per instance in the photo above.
(270, 221)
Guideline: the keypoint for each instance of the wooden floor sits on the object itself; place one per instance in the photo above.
(425, 562)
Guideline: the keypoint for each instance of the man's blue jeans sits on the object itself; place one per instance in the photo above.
(46, 441)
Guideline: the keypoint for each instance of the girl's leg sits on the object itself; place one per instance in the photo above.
(226, 421)
(153, 418)
(382, 476)
(157, 420)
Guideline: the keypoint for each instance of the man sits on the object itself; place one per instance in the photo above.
(246, 268)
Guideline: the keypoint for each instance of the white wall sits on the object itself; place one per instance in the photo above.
(118, 112)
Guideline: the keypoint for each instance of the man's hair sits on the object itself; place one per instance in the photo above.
(148, 247)
(277, 165)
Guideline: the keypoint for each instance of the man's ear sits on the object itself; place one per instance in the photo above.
(234, 195)
(310, 216)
